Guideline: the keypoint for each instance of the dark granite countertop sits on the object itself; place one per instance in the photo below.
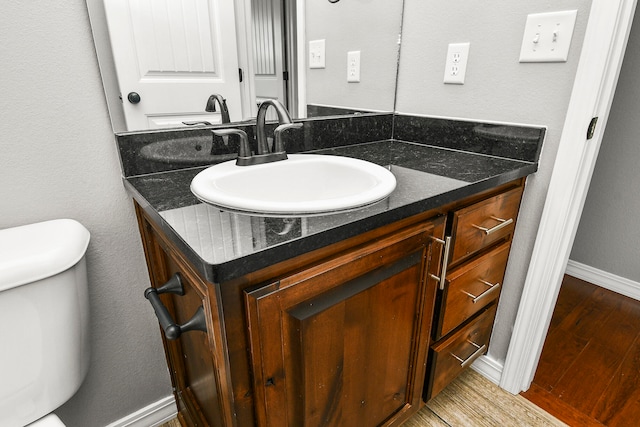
(224, 245)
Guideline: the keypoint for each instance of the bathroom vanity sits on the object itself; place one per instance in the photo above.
(355, 318)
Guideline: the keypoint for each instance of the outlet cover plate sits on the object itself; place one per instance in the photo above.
(456, 65)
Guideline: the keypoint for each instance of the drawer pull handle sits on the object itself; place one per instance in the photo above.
(503, 223)
(445, 259)
(172, 330)
(493, 287)
(469, 360)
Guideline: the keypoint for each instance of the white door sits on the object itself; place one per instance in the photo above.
(174, 54)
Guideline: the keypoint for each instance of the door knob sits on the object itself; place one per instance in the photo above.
(133, 97)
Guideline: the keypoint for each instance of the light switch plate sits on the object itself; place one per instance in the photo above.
(547, 36)
(456, 65)
(317, 54)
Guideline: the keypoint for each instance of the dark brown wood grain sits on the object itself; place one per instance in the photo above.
(471, 278)
(379, 336)
(444, 365)
(196, 359)
(322, 340)
(468, 239)
(589, 370)
(558, 408)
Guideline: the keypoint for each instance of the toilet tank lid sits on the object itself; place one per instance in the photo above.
(36, 251)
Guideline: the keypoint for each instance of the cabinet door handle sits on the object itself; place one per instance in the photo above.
(469, 360)
(445, 260)
(493, 287)
(172, 330)
(503, 223)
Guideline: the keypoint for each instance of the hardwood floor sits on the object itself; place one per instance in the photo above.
(589, 370)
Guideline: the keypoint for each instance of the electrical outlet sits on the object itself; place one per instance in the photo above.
(317, 54)
(353, 66)
(456, 65)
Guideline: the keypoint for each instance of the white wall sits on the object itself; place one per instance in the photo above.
(58, 159)
(608, 237)
(497, 88)
(370, 26)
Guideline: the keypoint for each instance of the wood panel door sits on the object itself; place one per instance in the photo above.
(174, 54)
(345, 343)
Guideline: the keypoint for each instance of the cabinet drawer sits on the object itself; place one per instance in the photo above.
(478, 226)
(451, 356)
(471, 287)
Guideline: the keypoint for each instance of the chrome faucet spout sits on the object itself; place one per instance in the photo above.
(283, 118)
(211, 107)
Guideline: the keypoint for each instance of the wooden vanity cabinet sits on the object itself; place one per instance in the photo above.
(480, 239)
(360, 332)
(339, 336)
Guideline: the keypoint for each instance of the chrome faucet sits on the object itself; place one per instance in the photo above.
(264, 155)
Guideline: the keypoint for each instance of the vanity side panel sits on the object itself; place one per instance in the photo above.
(196, 360)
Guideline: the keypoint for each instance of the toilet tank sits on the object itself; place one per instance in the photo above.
(44, 317)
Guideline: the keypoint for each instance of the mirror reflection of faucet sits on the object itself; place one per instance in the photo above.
(264, 155)
(198, 122)
(288, 224)
(210, 107)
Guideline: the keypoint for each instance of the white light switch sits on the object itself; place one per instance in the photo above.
(316, 54)
(353, 66)
(547, 36)
(456, 66)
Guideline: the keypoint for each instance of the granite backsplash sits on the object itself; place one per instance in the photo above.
(150, 152)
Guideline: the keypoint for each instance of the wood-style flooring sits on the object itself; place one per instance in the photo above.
(473, 401)
(589, 370)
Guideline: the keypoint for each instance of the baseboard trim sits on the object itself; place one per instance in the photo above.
(489, 368)
(603, 279)
(152, 415)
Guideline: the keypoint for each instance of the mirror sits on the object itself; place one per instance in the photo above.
(317, 83)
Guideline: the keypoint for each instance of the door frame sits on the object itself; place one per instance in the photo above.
(599, 67)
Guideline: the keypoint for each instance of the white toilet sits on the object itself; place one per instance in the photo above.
(44, 310)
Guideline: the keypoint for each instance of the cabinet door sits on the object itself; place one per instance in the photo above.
(345, 343)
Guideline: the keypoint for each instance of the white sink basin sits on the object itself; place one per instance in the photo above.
(304, 184)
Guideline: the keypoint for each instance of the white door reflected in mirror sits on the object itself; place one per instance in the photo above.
(261, 28)
(174, 54)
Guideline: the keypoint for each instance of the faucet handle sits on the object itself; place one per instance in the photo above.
(244, 150)
(278, 146)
